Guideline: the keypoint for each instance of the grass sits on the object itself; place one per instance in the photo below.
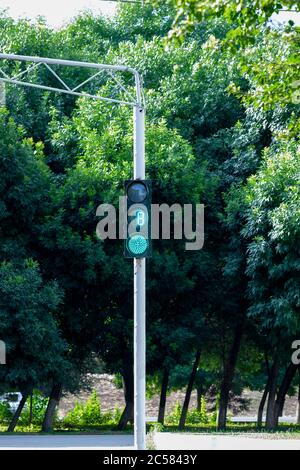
(34, 429)
(284, 430)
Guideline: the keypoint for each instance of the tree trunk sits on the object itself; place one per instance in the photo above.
(263, 404)
(199, 397)
(128, 386)
(31, 408)
(163, 397)
(270, 420)
(284, 388)
(298, 410)
(53, 402)
(18, 412)
(228, 377)
(189, 391)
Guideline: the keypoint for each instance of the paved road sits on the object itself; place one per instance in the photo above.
(170, 441)
(163, 441)
(94, 442)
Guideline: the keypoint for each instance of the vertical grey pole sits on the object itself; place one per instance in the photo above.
(139, 298)
(2, 94)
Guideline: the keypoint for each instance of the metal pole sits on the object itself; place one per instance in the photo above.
(139, 298)
(139, 265)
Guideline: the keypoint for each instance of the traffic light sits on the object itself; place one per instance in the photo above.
(138, 230)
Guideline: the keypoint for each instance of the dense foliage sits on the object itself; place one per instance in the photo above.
(222, 130)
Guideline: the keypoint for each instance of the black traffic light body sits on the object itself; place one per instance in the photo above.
(138, 226)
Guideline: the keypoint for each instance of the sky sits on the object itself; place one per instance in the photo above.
(57, 12)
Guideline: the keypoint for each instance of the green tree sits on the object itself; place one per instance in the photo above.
(272, 228)
(35, 348)
(275, 76)
(36, 351)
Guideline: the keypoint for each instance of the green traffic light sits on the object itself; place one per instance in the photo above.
(138, 245)
(138, 231)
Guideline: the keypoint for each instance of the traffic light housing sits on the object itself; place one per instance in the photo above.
(138, 227)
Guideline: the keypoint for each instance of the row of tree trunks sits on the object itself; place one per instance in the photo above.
(53, 402)
(226, 386)
(127, 415)
(275, 402)
(276, 398)
(283, 391)
(274, 410)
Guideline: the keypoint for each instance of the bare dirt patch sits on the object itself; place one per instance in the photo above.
(111, 397)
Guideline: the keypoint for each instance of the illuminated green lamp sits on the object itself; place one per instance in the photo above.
(138, 245)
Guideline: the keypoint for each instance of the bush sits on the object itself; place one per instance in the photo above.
(39, 405)
(5, 413)
(90, 414)
(194, 417)
(174, 416)
(198, 417)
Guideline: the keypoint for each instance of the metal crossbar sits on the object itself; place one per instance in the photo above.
(108, 70)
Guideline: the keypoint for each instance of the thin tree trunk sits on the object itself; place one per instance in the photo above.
(31, 408)
(265, 395)
(163, 397)
(263, 404)
(53, 402)
(298, 410)
(284, 388)
(18, 412)
(199, 397)
(270, 420)
(128, 386)
(126, 416)
(229, 376)
(189, 391)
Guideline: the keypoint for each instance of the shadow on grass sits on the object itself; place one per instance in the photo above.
(237, 428)
(88, 430)
(232, 428)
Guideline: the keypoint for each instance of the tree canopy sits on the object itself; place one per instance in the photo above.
(222, 130)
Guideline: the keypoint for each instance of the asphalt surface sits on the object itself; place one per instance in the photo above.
(94, 442)
(163, 441)
(187, 441)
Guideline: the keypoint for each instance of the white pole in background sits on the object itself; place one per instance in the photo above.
(139, 298)
(2, 94)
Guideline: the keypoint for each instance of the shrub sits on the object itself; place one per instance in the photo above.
(198, 417)
(39, 405)
(194, 417)
(5, 413)
(90, 414)
(174, 416)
